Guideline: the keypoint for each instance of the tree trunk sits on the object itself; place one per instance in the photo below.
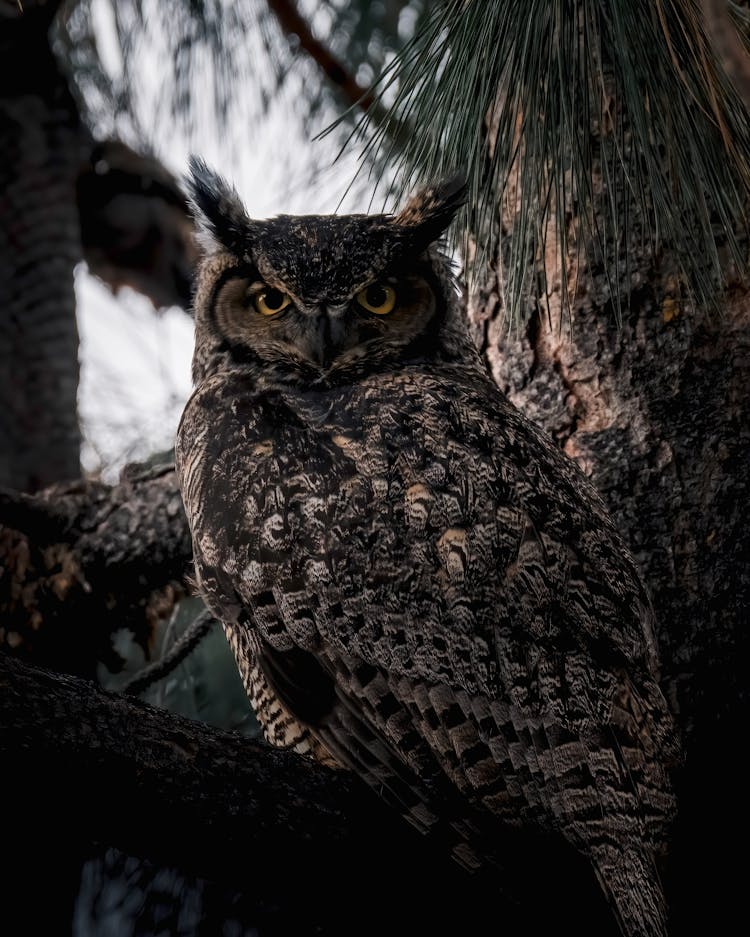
(655, 412)
(41, 141)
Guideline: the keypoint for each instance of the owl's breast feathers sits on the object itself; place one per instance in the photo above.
(458, 583)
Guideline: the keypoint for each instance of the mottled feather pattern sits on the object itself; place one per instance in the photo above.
(418, 585)
(280, 727)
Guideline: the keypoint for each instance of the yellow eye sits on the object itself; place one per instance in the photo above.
(377, 298)
(271, 301)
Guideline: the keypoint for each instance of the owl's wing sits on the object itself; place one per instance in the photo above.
(438, 539)
(335, 698)
(343, 701)
(470, 565)
(569, 742)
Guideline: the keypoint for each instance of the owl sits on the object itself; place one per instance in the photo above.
(418, 586)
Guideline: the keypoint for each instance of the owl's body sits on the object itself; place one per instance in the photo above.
(417, 585)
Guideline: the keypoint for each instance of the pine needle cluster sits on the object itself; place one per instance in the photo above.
(578, 123)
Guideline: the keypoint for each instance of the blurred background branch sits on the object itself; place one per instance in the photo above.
(728, 27)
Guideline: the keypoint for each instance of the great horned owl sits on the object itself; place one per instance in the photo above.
(416, 583)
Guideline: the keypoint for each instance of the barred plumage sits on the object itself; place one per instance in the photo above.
(416, 583)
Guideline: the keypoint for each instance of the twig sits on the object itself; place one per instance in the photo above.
(183, 647)
(294, 24)
(365, 99)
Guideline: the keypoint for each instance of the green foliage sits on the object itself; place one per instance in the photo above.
(577, 122)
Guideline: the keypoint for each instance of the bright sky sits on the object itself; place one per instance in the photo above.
(135, 375)
(135, 365)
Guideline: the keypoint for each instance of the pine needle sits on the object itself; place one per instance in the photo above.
(581, 123)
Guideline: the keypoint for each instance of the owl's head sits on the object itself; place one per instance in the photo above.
(323, 298)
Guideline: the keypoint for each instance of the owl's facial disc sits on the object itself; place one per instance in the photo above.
(323, 296)
(379, 320)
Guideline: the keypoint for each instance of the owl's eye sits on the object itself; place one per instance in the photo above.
(271, 301)
(378, 298)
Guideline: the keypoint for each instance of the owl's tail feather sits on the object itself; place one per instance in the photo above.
(631, 881)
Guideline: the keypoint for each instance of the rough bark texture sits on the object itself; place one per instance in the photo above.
(312, 850)
(78, 562)
(657, 414)
(169, 769)
(41, 141)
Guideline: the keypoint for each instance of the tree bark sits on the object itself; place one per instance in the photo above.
(728, 44)
(180, 785)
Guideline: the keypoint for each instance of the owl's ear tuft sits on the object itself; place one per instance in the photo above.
(428, 213)
(218, 210)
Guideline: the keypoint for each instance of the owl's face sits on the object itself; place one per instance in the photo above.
(321, 298)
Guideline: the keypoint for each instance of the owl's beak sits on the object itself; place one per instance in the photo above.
(328, 338)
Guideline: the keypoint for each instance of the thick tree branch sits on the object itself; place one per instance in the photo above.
(316, 850)
(79, 561)
(177, 784)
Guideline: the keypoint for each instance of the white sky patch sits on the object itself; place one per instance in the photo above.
(135, 375)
